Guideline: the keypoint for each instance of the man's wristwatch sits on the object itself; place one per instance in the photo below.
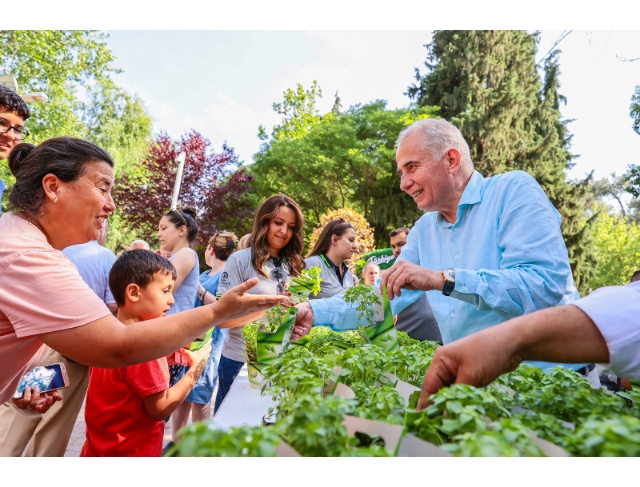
(449, 281)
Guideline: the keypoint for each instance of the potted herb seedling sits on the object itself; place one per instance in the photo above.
(366, 299)
(273, 337)
(250, 335)
(307, 283)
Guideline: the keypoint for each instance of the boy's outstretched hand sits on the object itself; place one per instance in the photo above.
(236, 302)
(199, 356)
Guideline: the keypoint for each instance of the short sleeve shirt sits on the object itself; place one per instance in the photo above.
(330, 285)
(94, 263)
(117, 422)
(40, 292)
(236, 271)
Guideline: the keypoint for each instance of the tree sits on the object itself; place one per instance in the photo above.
(74, 69)
(60, 63)
(299, 113)
(345, 159)
(487, 84)
(633, 173)
(615, 187)
(214, 184)
(617, 243)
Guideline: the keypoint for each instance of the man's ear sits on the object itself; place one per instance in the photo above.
(454, 159)
(132, 293)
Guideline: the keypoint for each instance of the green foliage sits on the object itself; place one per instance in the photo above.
(299, 113)
(546, 426)
(487, 84)
(506, 438)
(381, 403)
(74, 69)
(617, 242)
(634, 111)
(363, 364)
(198, 440)
(306, 284)
(344, 160)
(633, 173)
(410, 362)
(250, 335)
(363, 298)
(617, 436)
(461, 409)
(60, 63)
(274, 317)
(329, 345)
(570, 397)
(314, 427)
(523, 379)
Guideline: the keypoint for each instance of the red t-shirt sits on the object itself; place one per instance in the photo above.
(117, 422)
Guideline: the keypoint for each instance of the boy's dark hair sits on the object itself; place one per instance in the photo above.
(400, 230)
(137, 267)
(636, 276)
(11, 101)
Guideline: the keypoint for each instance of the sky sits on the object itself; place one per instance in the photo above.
(223, 83)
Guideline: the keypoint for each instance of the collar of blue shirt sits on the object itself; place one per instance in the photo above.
(471, 195)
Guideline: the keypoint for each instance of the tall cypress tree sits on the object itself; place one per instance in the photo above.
(487, 84)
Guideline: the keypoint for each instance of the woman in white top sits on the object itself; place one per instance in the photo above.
(273, 257)
(335, 245)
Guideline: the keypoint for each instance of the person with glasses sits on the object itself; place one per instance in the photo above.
(13, 113)
(336, 244)
(273, 257)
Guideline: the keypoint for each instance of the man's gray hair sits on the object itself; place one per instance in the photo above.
(438, 136)
(140, 242)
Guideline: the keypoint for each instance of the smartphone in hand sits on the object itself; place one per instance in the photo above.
(46, 377)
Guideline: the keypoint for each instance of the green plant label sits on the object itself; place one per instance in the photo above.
(270, 345)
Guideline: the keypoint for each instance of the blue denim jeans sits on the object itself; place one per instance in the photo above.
(227, 372)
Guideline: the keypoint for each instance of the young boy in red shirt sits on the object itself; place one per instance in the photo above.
(126, 407)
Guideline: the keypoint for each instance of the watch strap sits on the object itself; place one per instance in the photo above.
(448, 287)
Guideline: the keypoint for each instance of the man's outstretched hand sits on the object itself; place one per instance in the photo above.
(475, 360)
(304, 321)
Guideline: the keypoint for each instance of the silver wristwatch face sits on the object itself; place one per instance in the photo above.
(450, 275)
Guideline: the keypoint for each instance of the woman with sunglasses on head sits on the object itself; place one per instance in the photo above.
(273, 257)
(176, 230)
(198, 402)
(335, 245)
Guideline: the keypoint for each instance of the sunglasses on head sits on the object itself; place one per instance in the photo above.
(278, 274)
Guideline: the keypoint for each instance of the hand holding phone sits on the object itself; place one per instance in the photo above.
(37, 401)
(36, 389)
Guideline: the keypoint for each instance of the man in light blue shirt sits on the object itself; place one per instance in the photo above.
(489, 249)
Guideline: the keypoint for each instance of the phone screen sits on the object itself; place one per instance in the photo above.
(47, 378)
